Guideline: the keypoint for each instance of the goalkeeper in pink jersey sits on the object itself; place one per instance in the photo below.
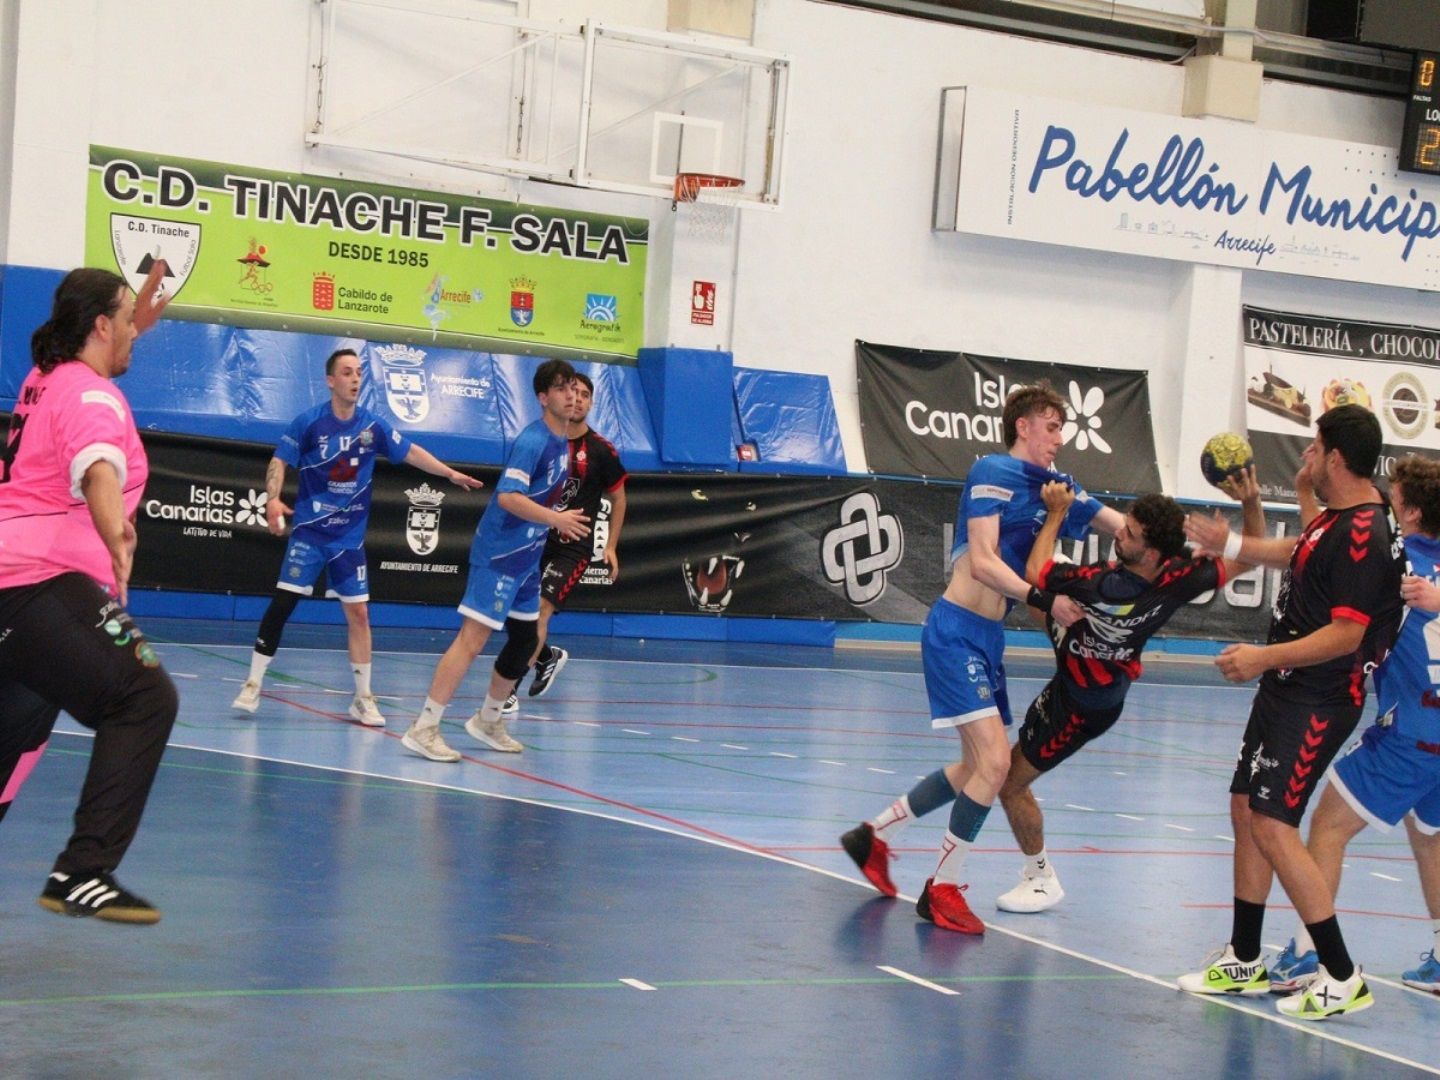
(72, 473)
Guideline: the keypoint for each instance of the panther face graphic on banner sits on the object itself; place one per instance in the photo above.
(405, 389)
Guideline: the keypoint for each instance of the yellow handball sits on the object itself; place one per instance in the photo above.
(1225, 455)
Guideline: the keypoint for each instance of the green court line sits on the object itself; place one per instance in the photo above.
(612, 984)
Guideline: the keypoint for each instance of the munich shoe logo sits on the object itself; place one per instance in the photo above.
(858, 552)
(1082, 418)
(252, 508)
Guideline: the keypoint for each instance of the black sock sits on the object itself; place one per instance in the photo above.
(1245, 932)
(1330, 948)
(544, 656)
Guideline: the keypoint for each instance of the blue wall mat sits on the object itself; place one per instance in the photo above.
(791, 419)
(689, 393)
(25, 294)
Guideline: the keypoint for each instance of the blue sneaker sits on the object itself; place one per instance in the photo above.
(1426, 976)
(1290, 972)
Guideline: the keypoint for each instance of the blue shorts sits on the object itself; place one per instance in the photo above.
(345, 572)
(491, 595)
(1387, 775)
(963, 655)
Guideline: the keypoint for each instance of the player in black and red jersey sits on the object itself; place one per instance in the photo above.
(1125, 602)
(1337, 614)
(597, 487)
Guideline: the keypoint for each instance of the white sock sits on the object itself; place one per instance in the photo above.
(258, 664)
(1303, 943)
(894, 818)
(490, 711)
(362, 679)
(430, 714)
(952, 859)
(1039, 865)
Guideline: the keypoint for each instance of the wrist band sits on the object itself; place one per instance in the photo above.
(1232, 547)
(1038, 599)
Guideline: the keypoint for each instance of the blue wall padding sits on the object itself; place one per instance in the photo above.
(620, 412)
(689, 393)
(791, 419)
(25, 295)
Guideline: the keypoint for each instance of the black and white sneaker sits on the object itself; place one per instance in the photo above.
(546, 668)
(96, 893)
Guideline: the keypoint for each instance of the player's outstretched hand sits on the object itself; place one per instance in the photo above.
(1241, 485)
(1207, 533)
(459, 479)
(149, 302)
(275, 514)
(571, 524)
(1066, 612)
(612, 560)
(1420, 593)
(1240, 663)
(1057, 494)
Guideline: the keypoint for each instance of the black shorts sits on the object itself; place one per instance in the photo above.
(1056, 726)
(559, 575)
(1287, 748)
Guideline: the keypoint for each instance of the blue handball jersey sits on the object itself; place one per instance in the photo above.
(1404, 682)
(1005, 485)
(537, 467)
(336, 460)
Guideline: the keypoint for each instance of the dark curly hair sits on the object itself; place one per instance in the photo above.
(82, 296)
(1164, 524)
(1420, 477)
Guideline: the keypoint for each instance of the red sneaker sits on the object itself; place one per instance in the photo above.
(871, 855)
(945, 906)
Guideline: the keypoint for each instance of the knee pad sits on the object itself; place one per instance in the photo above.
(521, 637)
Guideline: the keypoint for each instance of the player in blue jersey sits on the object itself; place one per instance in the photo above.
(963, 642)
(334, 447)
(1393, 772)
(504, 585)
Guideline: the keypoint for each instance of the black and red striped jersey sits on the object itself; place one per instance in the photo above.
(596, 472)
(1099, 656)
(1346, 565)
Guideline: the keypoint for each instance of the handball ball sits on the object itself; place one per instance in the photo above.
(1224, 455)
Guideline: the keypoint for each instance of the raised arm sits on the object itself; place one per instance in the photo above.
(425, 461)
(1058, 497)
(1245, 488)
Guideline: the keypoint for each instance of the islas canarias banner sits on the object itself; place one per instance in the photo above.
(264, 249)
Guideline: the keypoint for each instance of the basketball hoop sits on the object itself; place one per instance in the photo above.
(713, 200)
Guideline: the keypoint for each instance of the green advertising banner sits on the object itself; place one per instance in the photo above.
(275, 250)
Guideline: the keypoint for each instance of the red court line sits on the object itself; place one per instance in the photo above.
(1086, 849)
(1338, 911)
(551, 783)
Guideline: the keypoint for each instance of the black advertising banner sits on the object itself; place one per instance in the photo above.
(1299, 366)
(933, 414)
(841, 548)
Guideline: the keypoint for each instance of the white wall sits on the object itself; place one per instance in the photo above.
(851, 254)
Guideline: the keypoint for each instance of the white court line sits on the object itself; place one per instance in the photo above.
(778, 753)
(586, 723)
(1217, 1000)
(734, 746)
(633, 731)
(1121, 773)
(827, 761)
(1130, 817)
(637, 984)
(1383, 877)
(182, 675)
(683, 738)
(917, 980)
(1179, 828)
(1073, 806)
(1222, 836)
(887, 772)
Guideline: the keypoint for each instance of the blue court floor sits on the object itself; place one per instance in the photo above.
(655, 888)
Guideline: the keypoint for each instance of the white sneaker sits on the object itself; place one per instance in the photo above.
(248, 700)
(1224, 974)
(493, 735)
(1324, 996)
(1036, 892)
(428, 743)
(366, 711)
